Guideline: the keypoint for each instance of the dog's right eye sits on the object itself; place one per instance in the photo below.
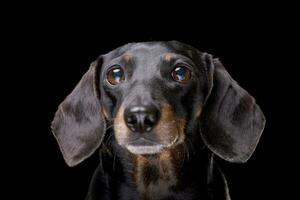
(115, 75)
(181, 74)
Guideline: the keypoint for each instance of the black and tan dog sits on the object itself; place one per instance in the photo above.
(159, 111)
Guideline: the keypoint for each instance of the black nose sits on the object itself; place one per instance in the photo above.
(141, 118)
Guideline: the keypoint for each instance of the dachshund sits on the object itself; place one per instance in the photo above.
(158, 113)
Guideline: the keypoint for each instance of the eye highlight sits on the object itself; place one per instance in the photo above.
(181, 74)
(115, 75)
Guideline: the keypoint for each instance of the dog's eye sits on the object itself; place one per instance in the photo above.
(181, 74)
(115, 75)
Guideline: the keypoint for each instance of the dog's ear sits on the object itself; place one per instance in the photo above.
(231, 122)
(79, 125)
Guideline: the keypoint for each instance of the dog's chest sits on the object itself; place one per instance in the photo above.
(155, 177)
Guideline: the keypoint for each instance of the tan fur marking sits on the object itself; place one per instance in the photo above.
(169, 125)
(141, 163)
(168, 57)
(127, 57)
(167, 168)
(167, 174)
(120, 128)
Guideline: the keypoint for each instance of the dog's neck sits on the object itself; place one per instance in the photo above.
(155, 175)
(161, 175)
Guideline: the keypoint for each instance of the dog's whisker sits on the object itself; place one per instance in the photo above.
(114, 161)
(108, 138)
(186, 151)
(109, 127)
(191, 145)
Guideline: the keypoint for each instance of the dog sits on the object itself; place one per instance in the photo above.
(158, 112)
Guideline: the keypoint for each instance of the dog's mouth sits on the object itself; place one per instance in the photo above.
(144, 146)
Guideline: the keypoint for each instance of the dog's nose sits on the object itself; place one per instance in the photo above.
(141, 118)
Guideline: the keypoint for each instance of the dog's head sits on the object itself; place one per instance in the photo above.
(154, 93)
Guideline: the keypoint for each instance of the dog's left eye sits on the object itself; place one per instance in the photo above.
(181, 74)
(115, 75)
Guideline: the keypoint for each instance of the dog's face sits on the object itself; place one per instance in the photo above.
(153, 94)
(149, 90)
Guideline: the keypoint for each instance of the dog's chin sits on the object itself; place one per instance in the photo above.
(143, 147)
(145, 150)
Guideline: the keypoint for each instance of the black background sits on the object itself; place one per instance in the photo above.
(50, 49)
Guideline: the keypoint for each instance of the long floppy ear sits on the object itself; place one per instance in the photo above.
(79, 125)
(231, 122)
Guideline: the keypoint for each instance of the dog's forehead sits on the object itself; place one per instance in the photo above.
(152, 50)
(144, 49)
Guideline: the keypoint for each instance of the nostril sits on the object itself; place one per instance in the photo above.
(150, 121)
(134, 122)
(131, 119)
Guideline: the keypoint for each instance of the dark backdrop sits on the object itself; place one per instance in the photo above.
(52, 49)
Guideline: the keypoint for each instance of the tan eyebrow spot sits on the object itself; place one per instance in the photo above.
(168, 57)
(127, 57)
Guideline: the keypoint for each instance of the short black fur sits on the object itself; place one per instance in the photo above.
(217, 117)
